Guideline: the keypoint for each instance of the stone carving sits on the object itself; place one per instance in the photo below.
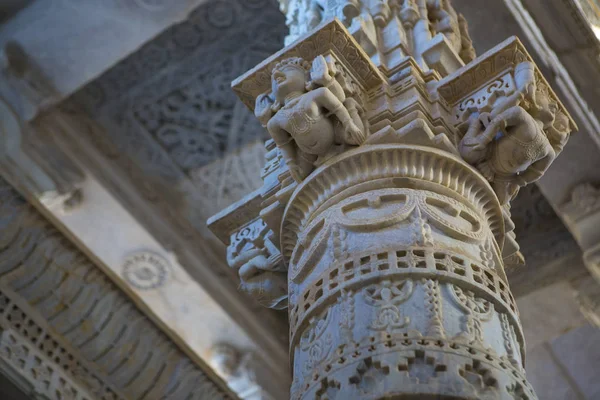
(145, 270)
(329, 390)
(415, 21)
(316, 341)
(41, 376)
(259, 265)
(347, 315)
(297, 114)
(387, 297)
(476, 309)
(516, 141)
(301, 17)
(369, 374)
(434, 307)
(445, 20)
(396, 246)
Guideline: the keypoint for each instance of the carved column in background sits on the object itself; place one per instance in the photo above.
(386, 198)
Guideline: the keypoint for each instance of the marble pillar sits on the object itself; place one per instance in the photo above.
(386, 200)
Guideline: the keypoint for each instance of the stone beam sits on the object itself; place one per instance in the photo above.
(153, 275)
(68, 332)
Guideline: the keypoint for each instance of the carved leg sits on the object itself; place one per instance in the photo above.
(305, 162)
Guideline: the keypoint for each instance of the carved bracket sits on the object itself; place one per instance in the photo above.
(329, 38)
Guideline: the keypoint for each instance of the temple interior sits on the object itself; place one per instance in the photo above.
(171, 204)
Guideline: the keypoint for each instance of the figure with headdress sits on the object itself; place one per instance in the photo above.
(515, 143)
(312, 108)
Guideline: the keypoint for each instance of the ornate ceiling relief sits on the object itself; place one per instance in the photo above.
(76, 334)
(169, 106)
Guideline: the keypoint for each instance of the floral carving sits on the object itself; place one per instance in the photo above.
(387, 297)
(476, 311)
(316, 341)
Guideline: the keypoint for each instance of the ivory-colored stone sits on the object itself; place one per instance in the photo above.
(395, 244)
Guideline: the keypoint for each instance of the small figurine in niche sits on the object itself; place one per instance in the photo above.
(311, 110)
(515, 143)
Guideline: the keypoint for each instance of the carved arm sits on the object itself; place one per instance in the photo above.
(326, 99)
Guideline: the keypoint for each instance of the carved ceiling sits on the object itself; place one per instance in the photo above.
(169, 106)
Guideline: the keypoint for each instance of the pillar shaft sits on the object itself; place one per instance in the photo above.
(396, 282)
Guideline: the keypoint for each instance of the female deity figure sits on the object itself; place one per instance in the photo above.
(308, 113)
(514, 143)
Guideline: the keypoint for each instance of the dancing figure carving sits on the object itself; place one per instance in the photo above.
(311, 110)
(515, 143)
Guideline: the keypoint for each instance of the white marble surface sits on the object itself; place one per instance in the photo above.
(563, 356)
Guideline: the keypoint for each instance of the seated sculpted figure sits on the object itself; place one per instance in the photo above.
(308, 113)
(518, 139)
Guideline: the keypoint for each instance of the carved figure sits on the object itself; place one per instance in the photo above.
(515, 143)
(238, 370)
(444, 19)
(259, 265)
(309, 112)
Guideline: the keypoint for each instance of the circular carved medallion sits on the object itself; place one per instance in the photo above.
(145, 270)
